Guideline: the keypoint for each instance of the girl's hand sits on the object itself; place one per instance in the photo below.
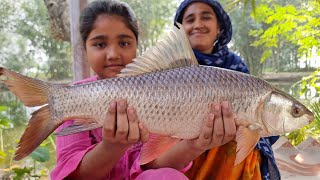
(219, 128)
(121, 127)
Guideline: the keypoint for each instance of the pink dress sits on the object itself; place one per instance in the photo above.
(72, 148)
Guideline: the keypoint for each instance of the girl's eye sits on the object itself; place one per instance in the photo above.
(124, 44)
(100, 45)
(190, 20)
(206, 17)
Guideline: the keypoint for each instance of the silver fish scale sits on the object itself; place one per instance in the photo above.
(172, 102)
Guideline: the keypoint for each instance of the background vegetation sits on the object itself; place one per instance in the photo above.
(270, 35)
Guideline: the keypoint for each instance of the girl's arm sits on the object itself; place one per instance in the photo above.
(120, 131)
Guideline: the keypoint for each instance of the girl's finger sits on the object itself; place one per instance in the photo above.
(205, 136)
(134, 133)
(109, 126)
(218, 129)
(122, 121)
(229, 123)
(144, 133)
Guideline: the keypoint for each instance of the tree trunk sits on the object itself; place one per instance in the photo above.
(81, 68)
(58, 11)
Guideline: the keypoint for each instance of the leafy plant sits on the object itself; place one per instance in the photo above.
(4, 124)
(313, 129)
(310, 83)
(295, 24)
(41, 154)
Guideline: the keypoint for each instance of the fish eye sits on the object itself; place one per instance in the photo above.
(296, 111)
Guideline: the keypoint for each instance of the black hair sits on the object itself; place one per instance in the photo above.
(106, 7)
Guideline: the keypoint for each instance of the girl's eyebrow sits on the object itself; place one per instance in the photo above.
(190, 15)
(122, 36)
(202, 13)
(102, 37)
(206, 12)
(98, 37)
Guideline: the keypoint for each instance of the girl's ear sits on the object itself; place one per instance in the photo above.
(218, 30)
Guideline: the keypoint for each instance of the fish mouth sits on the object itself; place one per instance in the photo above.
(310, 117)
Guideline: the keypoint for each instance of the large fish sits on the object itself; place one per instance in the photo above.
(172, 94)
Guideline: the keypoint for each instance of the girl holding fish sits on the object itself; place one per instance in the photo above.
(209, 30)
(172, 95)
(110, 34)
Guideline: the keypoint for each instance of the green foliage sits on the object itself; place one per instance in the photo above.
(298, 136)
(242, 23)
(25, 42)
(154, 16)
(20, 173)
(298, 25)
(316, 111)
(266, 54)
(15, 110)
(310, 83)
(41, 154)
(4, 124)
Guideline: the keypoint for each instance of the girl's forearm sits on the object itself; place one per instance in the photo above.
(177, 157)
(98, 162)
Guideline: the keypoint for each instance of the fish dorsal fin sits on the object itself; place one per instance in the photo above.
(172, 51)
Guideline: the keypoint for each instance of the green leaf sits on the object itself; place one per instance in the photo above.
(3, 155)
(3, 108)
(21, 172)
(5, 123)
(316, 111)
(41, 154)
(266, 54)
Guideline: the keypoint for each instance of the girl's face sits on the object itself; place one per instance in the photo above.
(201, 24)
(110, 46)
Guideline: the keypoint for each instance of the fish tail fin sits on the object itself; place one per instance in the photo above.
(38, 129)
(30, 91)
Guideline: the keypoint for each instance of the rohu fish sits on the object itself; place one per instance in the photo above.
(172, 94)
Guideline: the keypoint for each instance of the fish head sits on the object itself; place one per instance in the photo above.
(281, 113)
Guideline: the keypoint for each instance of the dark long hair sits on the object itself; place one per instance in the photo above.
(106, 7)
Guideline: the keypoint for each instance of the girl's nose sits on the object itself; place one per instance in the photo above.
(198, 23)
(112, 53)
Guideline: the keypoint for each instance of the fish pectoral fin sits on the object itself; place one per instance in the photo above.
(75, 128)
(155, 146)
(247, 138)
